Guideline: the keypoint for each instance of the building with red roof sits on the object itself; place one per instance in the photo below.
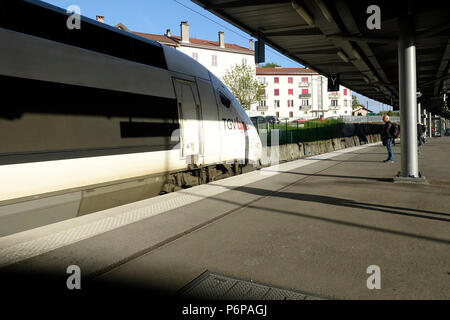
(299, 93)
(217, 56)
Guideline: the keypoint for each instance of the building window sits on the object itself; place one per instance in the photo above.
(277, 114)
(276, 103)
(345, 92)
(345, 102)
(334, 103)
(290, 80)
(345, 111)
(214, 60)
(276, 92)
(305, 102)
(290, 92)
(291, 114)
(262, 103)
(304, 79)
(244, 61)
(276, 80)
(334, 112)
(261, 80)
(195, 55)
(290, 103)
(304, 91)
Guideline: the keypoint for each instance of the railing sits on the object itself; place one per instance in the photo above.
(264, 96)
(303, 84)
(304, 96)
(314, 130)
(355, 119)
(305, 108)
(333, 107)
(262, 108)
(333, 95)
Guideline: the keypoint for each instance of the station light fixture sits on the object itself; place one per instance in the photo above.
(302, 12)
(356, 54)
(326, 13)
(342, 55)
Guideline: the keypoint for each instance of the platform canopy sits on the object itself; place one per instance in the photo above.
(333, 37)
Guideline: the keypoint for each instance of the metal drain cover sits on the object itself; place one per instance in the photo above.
(212, 286)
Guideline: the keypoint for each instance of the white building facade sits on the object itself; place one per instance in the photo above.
(216, 56)
(299, 93)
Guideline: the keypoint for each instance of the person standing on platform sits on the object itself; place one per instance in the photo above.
(420, 132)
(386, 138)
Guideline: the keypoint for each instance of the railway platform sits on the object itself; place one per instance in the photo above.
(311, 226)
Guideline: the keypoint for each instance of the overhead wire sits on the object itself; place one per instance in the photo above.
(229, 29)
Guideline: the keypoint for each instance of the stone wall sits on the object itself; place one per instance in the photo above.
(294, 151)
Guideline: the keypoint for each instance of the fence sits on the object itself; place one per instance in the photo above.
(355, 119)
(314, 130)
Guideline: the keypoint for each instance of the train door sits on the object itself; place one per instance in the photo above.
(191, 141)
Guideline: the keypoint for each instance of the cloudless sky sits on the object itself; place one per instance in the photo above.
(155, 16)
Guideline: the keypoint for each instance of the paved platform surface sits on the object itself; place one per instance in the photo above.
(314, 228)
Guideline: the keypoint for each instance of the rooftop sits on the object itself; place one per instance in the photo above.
(284, 71)
(176, 41)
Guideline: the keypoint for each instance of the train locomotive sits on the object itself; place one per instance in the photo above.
(97, 117)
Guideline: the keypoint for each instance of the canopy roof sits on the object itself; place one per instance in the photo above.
(334, 31)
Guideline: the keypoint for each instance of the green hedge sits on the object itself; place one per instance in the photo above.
(315, 130)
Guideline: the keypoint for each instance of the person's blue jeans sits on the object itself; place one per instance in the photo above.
(420, 140)
(389, 149)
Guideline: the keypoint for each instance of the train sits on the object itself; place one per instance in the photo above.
(97, 117)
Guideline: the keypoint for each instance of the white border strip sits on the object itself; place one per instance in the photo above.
(34, 242)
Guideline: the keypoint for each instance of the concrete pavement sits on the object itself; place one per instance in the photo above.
(314, 226)
(320, 232)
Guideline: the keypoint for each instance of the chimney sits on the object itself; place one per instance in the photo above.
(184, 31)
(221, 39)
(250, 46)
(168, 34)
(100, 19)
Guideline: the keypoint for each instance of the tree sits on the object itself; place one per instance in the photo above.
(270, 65)
(355, 102)
(241, 80)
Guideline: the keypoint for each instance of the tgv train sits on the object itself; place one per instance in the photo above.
(97, 117)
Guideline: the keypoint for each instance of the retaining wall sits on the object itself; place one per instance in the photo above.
(294, 151)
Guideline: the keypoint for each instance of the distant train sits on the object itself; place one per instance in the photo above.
(97, 117)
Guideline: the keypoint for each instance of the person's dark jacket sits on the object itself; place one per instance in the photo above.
(420, 129)
(387, 129)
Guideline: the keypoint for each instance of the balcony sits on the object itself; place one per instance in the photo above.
(262, 108)
(333, 95)
(264, 84)
(305, 108)
(334, 107)
(304, 96)
(303, 84)
(264, 96)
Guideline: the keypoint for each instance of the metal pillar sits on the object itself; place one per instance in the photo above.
(429, 124)
(419, 113)
(408, 100)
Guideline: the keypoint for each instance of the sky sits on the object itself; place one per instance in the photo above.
(155, 16)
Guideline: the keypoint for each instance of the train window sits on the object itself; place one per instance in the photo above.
(224, 99)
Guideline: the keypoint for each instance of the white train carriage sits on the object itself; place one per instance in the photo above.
(97, 117)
